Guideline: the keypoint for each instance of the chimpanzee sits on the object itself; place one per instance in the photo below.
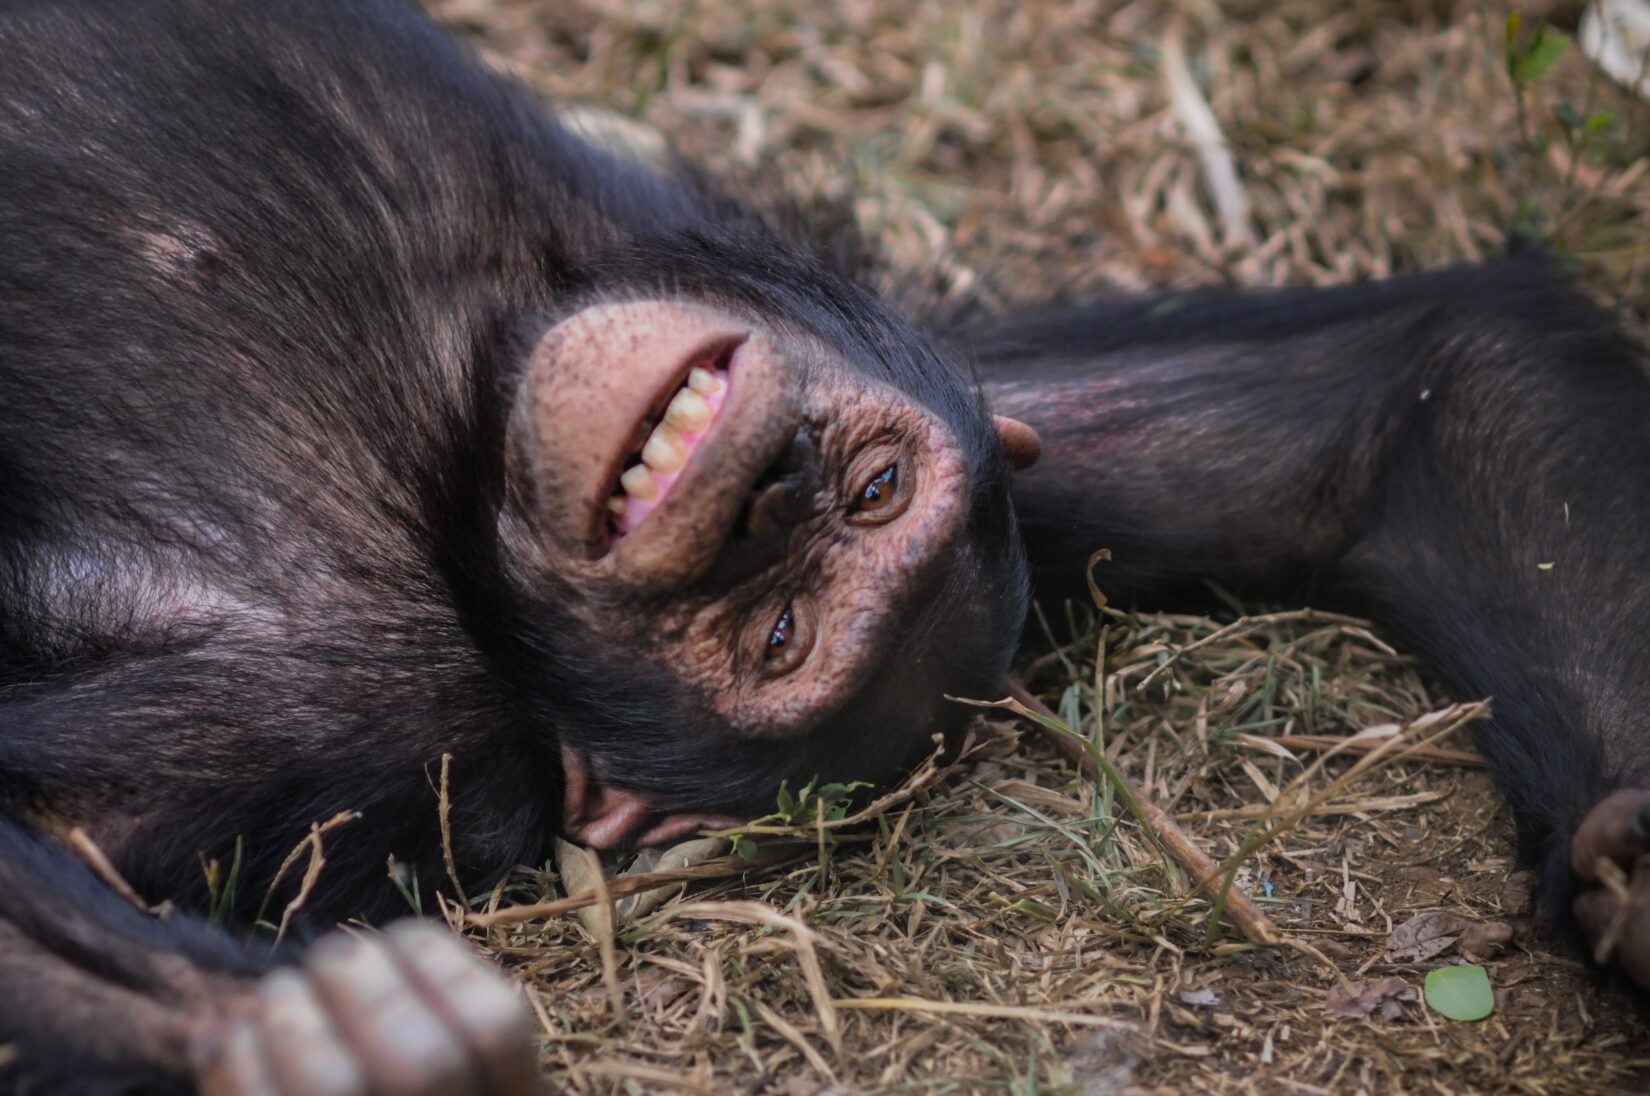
(354, 414)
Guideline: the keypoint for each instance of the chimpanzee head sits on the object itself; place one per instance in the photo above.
(771, 526)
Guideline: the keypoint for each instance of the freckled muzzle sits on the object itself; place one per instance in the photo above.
(898, 608)
(640, 428)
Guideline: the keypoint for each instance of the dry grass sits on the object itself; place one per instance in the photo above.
(1008, 925)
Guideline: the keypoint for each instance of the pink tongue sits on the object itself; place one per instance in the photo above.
(637, 510)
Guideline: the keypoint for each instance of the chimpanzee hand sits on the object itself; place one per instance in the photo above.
(1618, 928)
(405, 1013)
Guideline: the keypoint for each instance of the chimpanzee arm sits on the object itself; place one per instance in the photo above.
(97, 995)
(1465, 456)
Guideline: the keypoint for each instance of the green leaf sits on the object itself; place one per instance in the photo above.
(1460, 993)
(1033, 908)
(1597, 123)
(1545, 50)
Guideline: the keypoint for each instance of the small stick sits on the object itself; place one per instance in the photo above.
(1321, 742)
(622, 887)
(1205, 873)
(444, 809)
(312, 874)
(103, 868)
(982, 1008)
(606, 918)
(1362, 806)
(1214, 154)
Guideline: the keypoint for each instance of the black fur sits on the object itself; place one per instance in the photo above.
(268, 276)
(1414, 450)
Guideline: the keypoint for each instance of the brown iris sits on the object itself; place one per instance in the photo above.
(879, 492)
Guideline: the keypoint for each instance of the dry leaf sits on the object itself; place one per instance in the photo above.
(1518, 893)
(1480, 942)
(1382, 999)
(1425, 936)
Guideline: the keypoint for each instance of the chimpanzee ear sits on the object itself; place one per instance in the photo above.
(1020, 441)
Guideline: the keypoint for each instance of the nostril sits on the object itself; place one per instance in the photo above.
(785, 493)
(777, 508)
(797, 457)
(784, 496)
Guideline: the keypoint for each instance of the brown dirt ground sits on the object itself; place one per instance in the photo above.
(1005, 926)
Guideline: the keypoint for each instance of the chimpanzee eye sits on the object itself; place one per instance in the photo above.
(782, 634)
(878, 492)
(788, 643)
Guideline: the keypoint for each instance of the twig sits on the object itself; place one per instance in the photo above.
(1214, 157)
(1256, 927)
(317, 861)
(444, 808)
(1363, 806)
(981, 1008)
(87, 850)
(1319, 743)
(722, 868)
(606, 917)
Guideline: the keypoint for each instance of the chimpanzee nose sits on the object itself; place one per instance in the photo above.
(788, 493)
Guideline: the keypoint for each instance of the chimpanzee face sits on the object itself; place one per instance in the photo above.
(761, 517)
(801, 556)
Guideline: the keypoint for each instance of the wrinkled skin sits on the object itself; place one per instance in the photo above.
(678, 590)
(334, 470)
(771, 602)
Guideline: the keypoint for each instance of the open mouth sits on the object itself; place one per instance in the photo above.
(667, 438)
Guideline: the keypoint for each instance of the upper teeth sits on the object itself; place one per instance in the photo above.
(665, 452)
(689, 411)
(638, 480)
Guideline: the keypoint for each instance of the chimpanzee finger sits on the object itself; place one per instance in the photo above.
(1617, 829)
(1594, 909)
(485, 1009)
(1628, 943)
(407, 1048)
(301, 1041)
(237, 1067)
